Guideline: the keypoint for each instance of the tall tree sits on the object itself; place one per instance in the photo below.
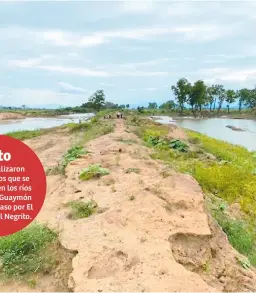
(152, 105)
(230, 97)
(197, 95)
(181, 92)
(243, 96)
(251, 98)
(127, 106)
(97, 100)
(222, 96)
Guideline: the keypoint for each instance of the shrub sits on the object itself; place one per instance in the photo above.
(73, 154)
(81, 209)
(93, 171)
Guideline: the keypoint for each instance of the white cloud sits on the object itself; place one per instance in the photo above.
(106, 84)
(227, 74)
(151, 89)
(37, 64)
(138, 6)
(34, 97)
(61, 38)
(68, 88)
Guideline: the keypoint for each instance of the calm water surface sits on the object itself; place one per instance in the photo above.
(37, 123)
(216, 128)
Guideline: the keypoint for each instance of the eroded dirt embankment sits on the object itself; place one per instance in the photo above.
(153, 233)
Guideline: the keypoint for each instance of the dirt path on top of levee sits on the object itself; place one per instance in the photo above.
(151, 231)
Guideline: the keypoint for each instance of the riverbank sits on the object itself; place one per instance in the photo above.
(187, 113)
(145, 224)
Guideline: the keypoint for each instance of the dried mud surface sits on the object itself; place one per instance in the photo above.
(161, 240)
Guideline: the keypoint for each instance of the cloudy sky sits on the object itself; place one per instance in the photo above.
(59, 53)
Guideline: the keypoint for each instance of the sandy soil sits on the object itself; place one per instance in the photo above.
(9, 116)
(162, 240)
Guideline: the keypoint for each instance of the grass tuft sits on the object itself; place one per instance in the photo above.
(81, 209)
(93, 171)
(22, 253)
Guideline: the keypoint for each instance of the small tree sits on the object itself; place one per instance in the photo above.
(127, 106)
(97, 100)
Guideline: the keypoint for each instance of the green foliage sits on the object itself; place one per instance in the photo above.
(152, 105)
(28, 134)
(22, 253)
(93, 171)
(72, 154)
(240, 234)
(178, 145)
(81, 209)
(97, 100)
(181, 92)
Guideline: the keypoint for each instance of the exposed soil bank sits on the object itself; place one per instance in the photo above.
(152, 234)
(10, 116)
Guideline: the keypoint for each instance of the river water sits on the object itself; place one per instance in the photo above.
(39, 123)
(216, 128)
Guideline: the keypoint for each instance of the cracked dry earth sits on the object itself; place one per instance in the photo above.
(162, 240)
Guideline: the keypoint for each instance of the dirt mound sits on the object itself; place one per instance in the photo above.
(152, 232)
(10, 116)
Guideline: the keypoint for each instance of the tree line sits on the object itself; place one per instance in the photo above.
(199, 95)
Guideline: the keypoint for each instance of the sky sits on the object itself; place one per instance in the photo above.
(59, 53)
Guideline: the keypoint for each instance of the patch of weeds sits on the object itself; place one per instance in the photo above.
(73, 127)
(98, 129)
(206, 266)
(31, 283)
(240, 234)
(81, 209)
(178, 145)
(194, 140)
(93, 171)
(132, 197)
(28, 134)
(244, 263)
(132, 170)
(72, 154)
(22, 253)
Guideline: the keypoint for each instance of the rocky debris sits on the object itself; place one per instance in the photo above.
(235, 128)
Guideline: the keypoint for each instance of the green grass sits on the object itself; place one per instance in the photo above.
(22, 253)
(240, 234)
(81, 209)
(93, 171)
(27, 134)
(230, 177)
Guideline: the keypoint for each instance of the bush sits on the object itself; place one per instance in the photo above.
(73, 154)
(81, 209)
(93, 171)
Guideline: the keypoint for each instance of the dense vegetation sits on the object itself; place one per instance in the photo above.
(199, 96)
(226, 173)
